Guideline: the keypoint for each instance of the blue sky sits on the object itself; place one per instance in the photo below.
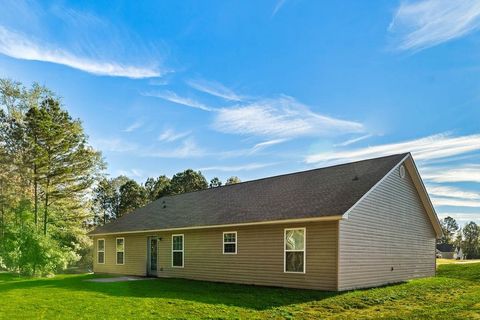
(259, 88)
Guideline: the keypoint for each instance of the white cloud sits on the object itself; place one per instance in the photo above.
(423, 24)
(215, 89)
(461, 217)
(20, 46)
(452, 192)
(132, 173)
(245, 167)
(266, 144)
(134, 126)
(283, 117)
(352, 141)
(463, 173)
(114, 145)
(175, 98)
(188, 149)
(170, 135)
(437, 201)
(431, 147)
(278, 6)
(442, 195)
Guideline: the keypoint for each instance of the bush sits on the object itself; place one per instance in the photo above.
(30, 253)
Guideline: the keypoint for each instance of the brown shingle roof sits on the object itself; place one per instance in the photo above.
(329, 191)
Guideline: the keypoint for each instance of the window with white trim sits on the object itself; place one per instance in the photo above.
(177, 250)
(101, 251)
(295, 250)
(120, 247)
(230, 242)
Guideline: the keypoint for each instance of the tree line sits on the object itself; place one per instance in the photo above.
(53, 187)
(466, 238)
(115, 197)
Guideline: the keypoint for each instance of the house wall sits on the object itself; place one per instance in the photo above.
(387, 237)
(259, 259)
(135, 255)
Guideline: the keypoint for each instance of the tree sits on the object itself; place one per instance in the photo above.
(187, 181)
(157, 188)
(449, 228)
(471, 237)
(106, 199)
(233, 180)
(65, 165)
(47, 167)
(103, 200)
(132, 196)
(215, 182)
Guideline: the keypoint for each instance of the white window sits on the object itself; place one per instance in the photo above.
(101, 251)
(120, 250)
(230, 242)
(294, 250)
(177, 250)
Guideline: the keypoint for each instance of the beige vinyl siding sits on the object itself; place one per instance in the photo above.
(387, 237)
(259, 259)
(135, 255)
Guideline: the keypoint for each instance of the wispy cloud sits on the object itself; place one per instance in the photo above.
(461, 217)
(431, 147)
(283, 117)
(463, 173)
(170, 135)
(20, 46)
(175, 98)
(423, 24)
(132, 173)
(134, 126)
(443, 195)
(455, 202)
(266, 144)
(278, 6)
(215, 89)
(354, 140)
(188, 149)
(114, 145)
(452, 192)
(244, 167)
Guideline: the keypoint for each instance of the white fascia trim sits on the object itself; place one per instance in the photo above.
(345, 215)
(302, 220)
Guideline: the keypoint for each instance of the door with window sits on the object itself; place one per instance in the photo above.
(152, 248)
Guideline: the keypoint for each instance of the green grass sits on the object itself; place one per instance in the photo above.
(453, 294)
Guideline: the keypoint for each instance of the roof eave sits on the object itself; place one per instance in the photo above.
(300, 220)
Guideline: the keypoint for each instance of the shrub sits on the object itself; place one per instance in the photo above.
(30, 253)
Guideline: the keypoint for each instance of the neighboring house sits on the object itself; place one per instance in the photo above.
(449, 251)
(445, 250)
(355, 225)
(458, 255)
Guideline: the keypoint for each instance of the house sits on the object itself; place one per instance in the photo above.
(458, 255)
(445, 250)
(449, 251)
(355, 225)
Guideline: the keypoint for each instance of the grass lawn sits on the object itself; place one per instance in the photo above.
(453, 294)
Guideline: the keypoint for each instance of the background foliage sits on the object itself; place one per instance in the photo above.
(53, 187)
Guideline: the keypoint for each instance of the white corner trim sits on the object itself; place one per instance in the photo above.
(430, 209)
(345, 215)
